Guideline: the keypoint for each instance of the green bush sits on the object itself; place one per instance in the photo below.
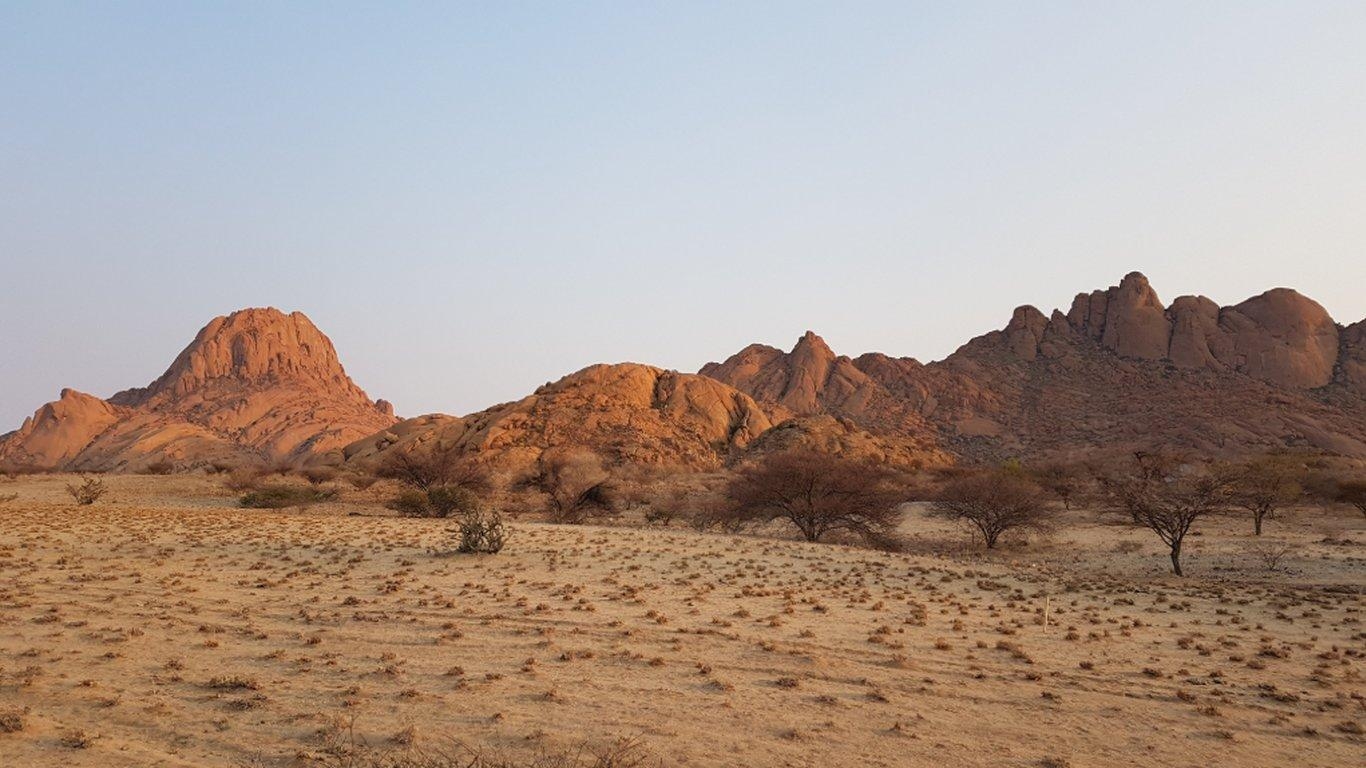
(281, 496)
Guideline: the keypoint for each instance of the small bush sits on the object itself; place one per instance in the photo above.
(11, 720)
(232, 683)
(1269, 554)
(437, 501)
(361, 480)
(319, 475)
(159, 468)
(88, 492)
(410, 504)
(282, 496)
(6, 498)
(482, 531)
(242, 479)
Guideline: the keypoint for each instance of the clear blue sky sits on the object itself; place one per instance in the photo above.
(473, 199)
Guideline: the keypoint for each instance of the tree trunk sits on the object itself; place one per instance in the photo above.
(1257, 523)
(1176, 560)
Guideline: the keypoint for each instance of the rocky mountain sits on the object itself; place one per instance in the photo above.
(1118, 371)
(255, 385)
(628, 413)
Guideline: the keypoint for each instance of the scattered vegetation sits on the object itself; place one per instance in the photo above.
(283, 496)
(343, 748)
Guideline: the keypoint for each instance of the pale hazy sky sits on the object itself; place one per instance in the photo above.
(473, 199)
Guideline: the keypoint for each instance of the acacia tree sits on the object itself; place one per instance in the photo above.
(1264, 485)
(819, 493)
(434, 468)
(1169, 504)
(1131, 484)
(577, 485)
(993, 502)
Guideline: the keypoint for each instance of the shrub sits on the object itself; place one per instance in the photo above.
(1269, 554)
(88, 492)
(993, 502)
(577, 485)
(361, 480)
(481, 531)
(6, 498)
(437, 501)
(281, 496)
(159, 468)
(319, 475)
(683, 499)
(12, 720)
(244, 478)
(819, 493)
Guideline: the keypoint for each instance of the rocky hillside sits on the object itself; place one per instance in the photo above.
(255, 385)
(1118, 371)
(628, 413)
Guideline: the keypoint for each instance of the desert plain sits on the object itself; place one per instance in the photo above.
(165, 626)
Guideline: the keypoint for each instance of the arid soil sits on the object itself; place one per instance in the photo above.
(164, 626)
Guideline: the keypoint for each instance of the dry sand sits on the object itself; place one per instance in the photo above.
(163, 626)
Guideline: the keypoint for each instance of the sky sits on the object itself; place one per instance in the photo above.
(472, 199)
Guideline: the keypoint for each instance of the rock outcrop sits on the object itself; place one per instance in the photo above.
(1128, 318)
(255, 385)
(630, 414)
(1279, 337)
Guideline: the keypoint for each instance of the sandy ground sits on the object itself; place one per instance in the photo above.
(163, 626)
